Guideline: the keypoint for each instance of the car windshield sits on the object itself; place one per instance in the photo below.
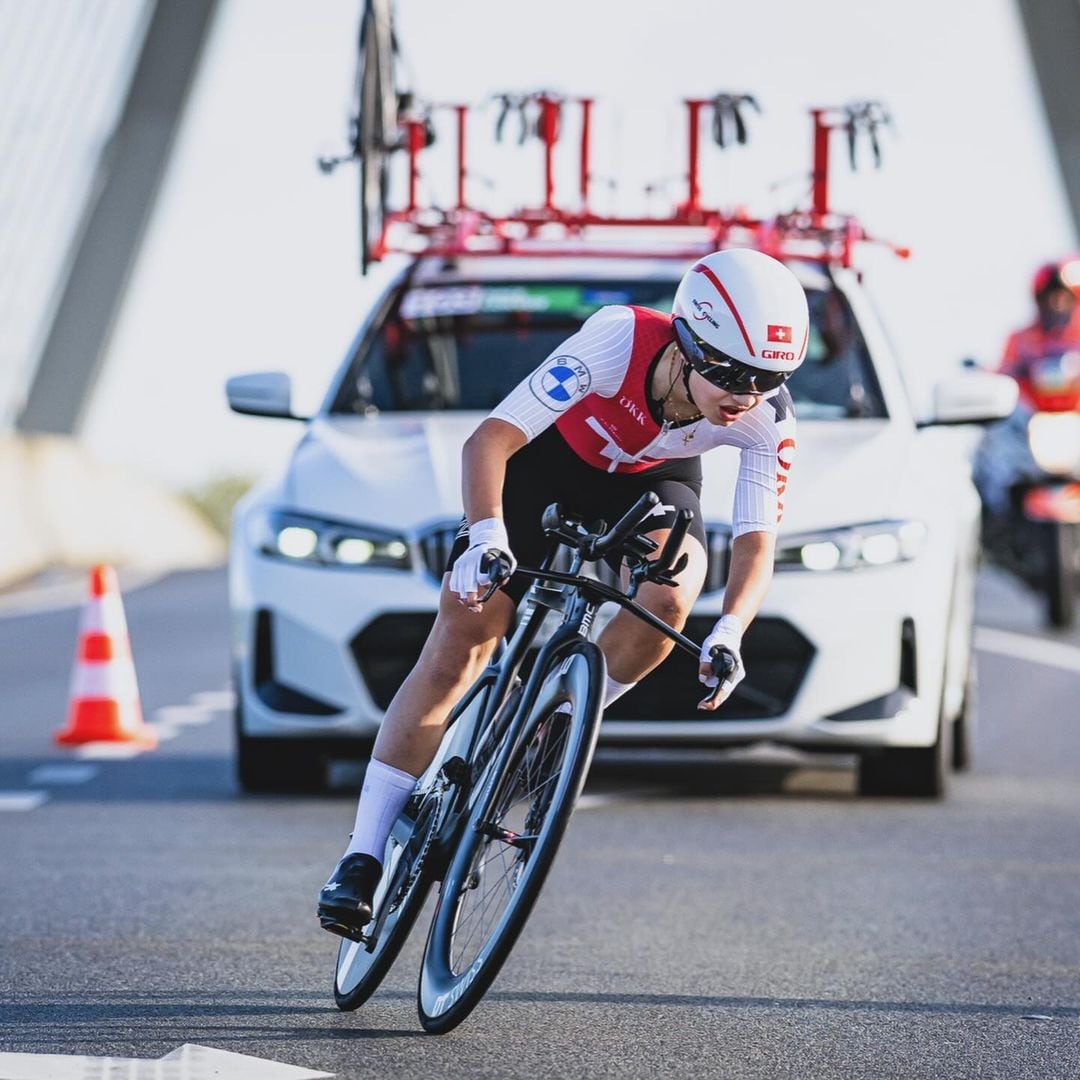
(466, 346)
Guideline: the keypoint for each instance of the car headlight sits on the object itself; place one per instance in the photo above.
(1055, 441)
(876, 544)
(281, 534)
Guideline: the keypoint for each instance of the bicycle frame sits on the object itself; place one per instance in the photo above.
(484, 727)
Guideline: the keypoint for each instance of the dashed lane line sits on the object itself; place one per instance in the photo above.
(62, 773)
(16, 801)
(108, 751)
(1035, 650)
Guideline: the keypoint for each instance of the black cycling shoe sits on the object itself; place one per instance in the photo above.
(345, 900)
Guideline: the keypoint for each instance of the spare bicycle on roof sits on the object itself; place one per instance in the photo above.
(389, 120)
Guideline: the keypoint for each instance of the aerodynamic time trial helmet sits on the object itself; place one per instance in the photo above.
(740, 318)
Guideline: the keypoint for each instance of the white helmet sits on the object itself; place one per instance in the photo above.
(740, 318)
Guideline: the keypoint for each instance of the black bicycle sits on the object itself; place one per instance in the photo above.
(487, 816)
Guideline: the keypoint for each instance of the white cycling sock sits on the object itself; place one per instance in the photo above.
(385, 792)
(614, 690)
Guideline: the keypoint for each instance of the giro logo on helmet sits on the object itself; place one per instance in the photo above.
(776, 354)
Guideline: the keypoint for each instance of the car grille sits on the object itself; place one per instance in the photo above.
(776, 657)
(775, 653)
(386, 650)
(436, 543)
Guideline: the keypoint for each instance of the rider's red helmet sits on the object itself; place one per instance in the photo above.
(1062, 274)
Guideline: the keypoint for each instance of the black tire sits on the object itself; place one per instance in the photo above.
(266, 766)
(907, 772)
(539, 779)
(358, 971)
(963, 728)
(1062, 558)
(376, 121)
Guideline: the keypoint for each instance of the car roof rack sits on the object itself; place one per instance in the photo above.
(815, 233)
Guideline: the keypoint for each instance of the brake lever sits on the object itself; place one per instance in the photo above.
(499, 568)
(723, 665)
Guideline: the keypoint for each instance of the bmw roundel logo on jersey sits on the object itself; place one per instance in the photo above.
(560, 381)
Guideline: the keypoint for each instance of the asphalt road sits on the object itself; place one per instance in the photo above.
(741, 917)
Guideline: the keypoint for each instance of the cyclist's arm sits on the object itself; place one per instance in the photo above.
(592, 361)
(749, 574)
(483, 467)
(767, 445)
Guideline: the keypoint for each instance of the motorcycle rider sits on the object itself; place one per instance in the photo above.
(1003, 455)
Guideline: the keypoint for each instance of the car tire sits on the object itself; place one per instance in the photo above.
(907, 771)
(267, 766)
(963, 728)
(1062, 560)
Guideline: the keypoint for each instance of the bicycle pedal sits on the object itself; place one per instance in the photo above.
(335, 926)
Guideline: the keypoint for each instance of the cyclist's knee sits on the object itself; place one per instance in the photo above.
(670, 605)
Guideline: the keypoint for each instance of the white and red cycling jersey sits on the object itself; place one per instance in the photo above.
(594, 387)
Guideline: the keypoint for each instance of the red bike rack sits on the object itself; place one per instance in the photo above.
(816, 233)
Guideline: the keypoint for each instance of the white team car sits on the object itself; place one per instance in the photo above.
(864, 641)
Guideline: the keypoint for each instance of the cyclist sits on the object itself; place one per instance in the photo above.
(626, 405)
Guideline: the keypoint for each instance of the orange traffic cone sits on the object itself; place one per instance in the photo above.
(104, 699)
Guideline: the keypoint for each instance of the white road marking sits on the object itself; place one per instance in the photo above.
(1036, 650)
(62, 774)
(181, 715)
(187, 1062)
(108, 751)
(215, 699)
(22, 800)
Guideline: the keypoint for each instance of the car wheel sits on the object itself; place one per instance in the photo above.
(907, 771)
(963, 733)
(269, 766)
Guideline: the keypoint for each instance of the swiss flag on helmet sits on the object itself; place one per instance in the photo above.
(779, 333)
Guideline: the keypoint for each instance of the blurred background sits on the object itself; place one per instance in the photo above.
(164, 224)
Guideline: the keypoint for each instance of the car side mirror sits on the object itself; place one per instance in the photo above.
(973, 397)
(266, 393)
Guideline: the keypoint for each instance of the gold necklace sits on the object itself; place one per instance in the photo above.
(679, 420)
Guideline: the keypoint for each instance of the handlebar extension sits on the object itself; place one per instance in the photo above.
(598, 547)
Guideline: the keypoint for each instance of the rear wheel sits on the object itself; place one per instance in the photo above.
(402, 892)
(510, 840)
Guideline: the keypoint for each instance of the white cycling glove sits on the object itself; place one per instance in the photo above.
(466, 577)
(727, 633)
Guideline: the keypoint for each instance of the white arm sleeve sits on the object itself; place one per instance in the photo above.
(592, 361)
(767, 445)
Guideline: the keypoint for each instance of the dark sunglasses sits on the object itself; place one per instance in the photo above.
(722, 370)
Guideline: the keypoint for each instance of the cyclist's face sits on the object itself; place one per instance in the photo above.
(720, 406)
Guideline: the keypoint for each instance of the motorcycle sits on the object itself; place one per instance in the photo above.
(1029, 468)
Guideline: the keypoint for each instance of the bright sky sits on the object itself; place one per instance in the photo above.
(250, 261)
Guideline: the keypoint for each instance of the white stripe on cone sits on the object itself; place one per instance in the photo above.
(105, 614)
(105, 679)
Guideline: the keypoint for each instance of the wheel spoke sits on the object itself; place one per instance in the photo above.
(512, 831)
